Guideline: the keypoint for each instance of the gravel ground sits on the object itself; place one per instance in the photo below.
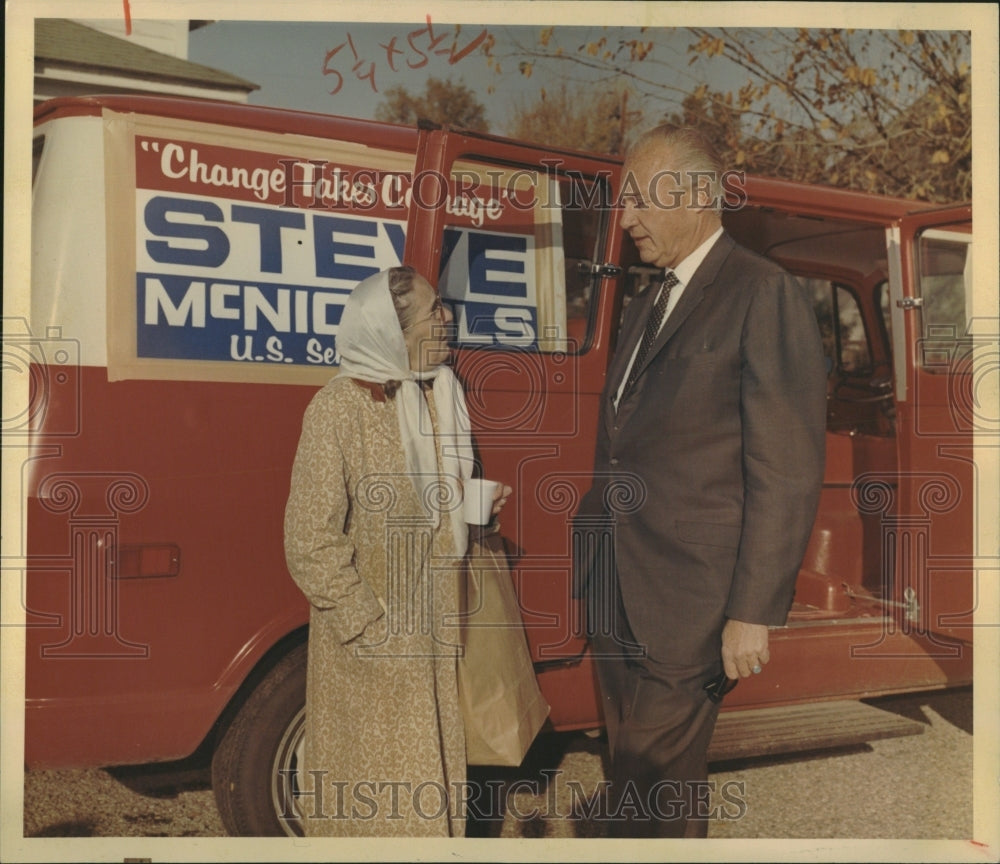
(913, 787)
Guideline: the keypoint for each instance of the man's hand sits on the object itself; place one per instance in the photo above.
(744, 646)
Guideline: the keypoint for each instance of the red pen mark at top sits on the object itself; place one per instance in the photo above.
(358, 65)
(128, 18)
(419, 48)
(468, 49)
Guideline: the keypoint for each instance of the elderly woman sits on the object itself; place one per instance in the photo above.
(373, 537)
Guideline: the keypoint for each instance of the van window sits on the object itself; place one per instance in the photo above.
(845, 342)
(518, 272)
(943, 264)
(883, 304)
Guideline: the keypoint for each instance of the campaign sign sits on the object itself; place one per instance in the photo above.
(228, 270)
(488, 281)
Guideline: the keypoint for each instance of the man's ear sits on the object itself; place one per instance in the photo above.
(703, 196)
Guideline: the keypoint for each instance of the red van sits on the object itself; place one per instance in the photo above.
(189, 264)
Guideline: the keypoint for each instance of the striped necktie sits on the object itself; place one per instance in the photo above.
(653, 324)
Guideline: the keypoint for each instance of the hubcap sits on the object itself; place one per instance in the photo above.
(286, 775)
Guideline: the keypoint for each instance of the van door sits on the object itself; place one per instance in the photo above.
(929, 530)
(517, 239)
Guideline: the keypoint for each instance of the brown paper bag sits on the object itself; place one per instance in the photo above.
(501, 702)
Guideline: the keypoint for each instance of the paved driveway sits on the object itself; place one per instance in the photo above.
(917, 787)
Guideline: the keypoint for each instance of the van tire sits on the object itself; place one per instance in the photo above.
(261, 739)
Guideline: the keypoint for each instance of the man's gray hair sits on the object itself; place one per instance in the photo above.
(690, 151)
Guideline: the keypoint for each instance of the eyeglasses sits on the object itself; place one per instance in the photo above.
(719, 686)
(437, 311)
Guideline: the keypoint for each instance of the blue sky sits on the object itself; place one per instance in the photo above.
(346, 66)
(288, 58)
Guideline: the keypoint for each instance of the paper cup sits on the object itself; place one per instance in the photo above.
(478, 503)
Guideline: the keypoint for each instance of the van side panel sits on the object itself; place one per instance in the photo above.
(135, 651)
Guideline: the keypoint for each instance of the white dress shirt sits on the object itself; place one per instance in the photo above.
(684, 272)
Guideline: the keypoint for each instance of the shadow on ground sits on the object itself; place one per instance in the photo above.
(953, 706)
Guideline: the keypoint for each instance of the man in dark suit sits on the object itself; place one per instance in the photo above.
(708, 469)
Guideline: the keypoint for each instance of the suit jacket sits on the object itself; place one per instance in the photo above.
(707, 478)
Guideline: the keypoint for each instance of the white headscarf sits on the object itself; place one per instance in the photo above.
(371, 347)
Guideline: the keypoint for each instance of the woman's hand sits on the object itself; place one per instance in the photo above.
(500, 497)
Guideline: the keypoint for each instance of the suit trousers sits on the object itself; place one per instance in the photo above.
(659, 723)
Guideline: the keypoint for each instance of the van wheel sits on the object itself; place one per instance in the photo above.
(256, 763)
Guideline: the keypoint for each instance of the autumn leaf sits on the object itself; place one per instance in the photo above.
(525, 68)
(941, 157)
(640, 50)
(545, 36)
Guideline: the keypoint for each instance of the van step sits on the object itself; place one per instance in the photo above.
(794, 728)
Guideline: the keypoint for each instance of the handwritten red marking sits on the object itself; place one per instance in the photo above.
(390, 51)
(468, 49)
(128, 18)
(418, 56)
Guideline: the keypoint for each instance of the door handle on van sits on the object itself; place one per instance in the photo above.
(605, 271)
